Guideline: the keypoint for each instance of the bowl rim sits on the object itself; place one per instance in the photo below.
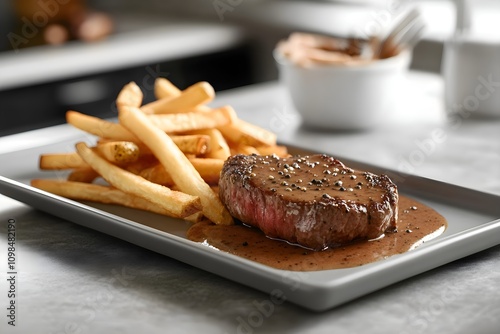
(401, 60)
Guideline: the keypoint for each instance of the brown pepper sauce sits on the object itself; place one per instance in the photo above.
(417, 223)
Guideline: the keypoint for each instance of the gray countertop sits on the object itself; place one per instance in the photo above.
(139, 40)
(75, 280)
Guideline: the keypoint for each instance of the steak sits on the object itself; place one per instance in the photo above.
(314, 201)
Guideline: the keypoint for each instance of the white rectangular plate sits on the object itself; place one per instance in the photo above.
(473, 219)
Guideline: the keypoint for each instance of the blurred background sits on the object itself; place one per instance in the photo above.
(57, 55)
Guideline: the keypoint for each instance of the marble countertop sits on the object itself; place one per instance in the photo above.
(75, 280)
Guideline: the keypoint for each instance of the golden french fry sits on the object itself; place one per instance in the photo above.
(144, 162)
(193, 144)
(195, 95)
(209, 170)
(219, 148)
(244, 149)
(130, 95)
(84, 174)
(99, 127)
(116, 152)
(102, 194)
(157, 174)
(280, 150)
(59, 161)
(241, 132)
(196, 144)
(119, 151)
(215, 189)
(185, 176)
(182, 122)
(163, 88)
(177, 203)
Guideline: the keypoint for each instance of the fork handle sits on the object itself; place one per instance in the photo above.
(463, 20)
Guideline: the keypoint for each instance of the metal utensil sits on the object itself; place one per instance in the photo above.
(404, 35)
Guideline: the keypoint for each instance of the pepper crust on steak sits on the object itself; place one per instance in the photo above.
(313, 201)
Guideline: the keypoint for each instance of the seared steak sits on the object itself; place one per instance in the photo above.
(313, 201)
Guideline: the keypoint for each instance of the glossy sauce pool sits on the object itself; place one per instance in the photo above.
(417, 223)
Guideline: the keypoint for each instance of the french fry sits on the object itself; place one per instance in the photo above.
(177, 203)
(59, 161)
(119, 152)
(193, 144)
(99, 127)
(196, 144)
(84, 174)
(163, 88)
(144, 162)
(182, 122)
(130, 95)
(102, 194)
(244, 149)
(193, 96)
(172, 123)
(185, 176)
(241, 132)
(280, 150)
(215, 189)
(209, 170)
(219, 149)
(157, 174)
(116, 152)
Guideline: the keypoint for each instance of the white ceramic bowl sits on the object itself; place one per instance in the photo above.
(344, 97)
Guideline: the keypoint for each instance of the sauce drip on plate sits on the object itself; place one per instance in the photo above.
(417, 223)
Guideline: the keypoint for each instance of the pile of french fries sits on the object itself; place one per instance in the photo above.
(164, 156)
